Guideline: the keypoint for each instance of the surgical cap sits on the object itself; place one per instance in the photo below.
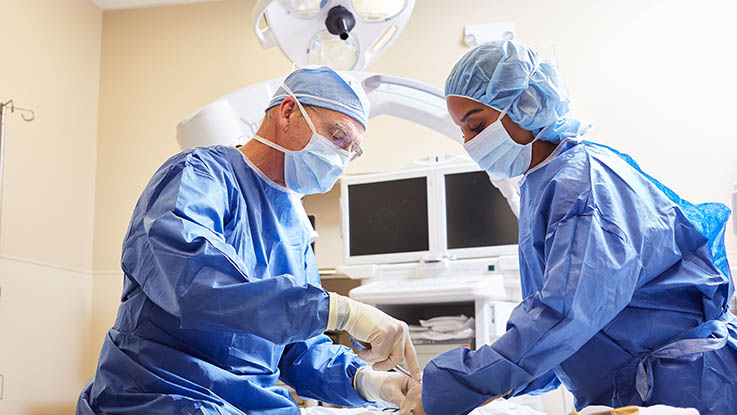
(326, 88)
(501, 73)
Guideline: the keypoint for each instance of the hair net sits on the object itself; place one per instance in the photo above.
(326, 88)
(503, 72)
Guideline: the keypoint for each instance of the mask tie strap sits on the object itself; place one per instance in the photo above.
(271, 144)
(537, 137)
(504, 111)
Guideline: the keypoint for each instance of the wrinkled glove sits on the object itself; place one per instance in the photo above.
(386, 387)
(387, 337)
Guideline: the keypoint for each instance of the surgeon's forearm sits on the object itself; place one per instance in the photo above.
(276, 309)
(460, 380)
(457, 381)
(319, 369)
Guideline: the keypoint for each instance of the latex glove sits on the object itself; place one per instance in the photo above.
(387, 336)
(412, 403)
(386, 387)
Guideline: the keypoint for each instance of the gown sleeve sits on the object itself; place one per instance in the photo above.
(318, 369)
(590, 275)
(176, 251)
(545, 383)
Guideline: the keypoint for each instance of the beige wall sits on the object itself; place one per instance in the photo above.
(45, 353)
(49, 62)
(158, 66)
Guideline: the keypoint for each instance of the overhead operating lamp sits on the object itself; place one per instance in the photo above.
(344, 34)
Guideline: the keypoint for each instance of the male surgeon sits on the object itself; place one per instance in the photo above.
(221, 294)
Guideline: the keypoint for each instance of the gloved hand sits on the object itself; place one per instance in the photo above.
(412, 403)
(387, 336)
(386, 387)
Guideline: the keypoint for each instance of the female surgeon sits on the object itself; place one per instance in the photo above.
(626, 286)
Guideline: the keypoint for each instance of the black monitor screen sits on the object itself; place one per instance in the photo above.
(477, 213)
(388, 217)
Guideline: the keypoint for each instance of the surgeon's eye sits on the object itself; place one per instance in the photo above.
(478, 128)
(340, 138)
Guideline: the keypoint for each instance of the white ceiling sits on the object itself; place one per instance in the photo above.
(134, 4)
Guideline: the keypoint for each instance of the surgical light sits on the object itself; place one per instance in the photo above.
(331, 50)
(302, 8)
(378, 10)
(344, 34)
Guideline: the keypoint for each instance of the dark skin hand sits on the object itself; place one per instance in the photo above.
(473, 116)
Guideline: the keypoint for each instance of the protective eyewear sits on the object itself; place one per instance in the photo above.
(341, 137)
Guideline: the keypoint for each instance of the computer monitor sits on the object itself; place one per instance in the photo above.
(478, 219)
(386, 217)
(445, 210)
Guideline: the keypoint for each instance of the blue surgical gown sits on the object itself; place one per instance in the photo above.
(624, 301)
(221, 299)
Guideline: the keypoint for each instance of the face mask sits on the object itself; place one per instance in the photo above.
(315, 168)
(495, 151)
(497, 154)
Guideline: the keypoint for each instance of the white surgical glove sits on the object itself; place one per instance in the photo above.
(388, 337)
(388, 387)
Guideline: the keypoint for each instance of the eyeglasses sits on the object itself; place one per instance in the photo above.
(341, 137)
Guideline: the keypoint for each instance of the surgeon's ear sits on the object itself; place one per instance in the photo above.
(283, 113)
(287, 108)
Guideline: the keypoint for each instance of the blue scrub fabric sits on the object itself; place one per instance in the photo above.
(221, 299)
(625, 297)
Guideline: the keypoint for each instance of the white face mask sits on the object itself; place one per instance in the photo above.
(315, 168)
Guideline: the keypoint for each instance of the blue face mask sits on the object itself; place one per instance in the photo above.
(496, 153)
(316, 167)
